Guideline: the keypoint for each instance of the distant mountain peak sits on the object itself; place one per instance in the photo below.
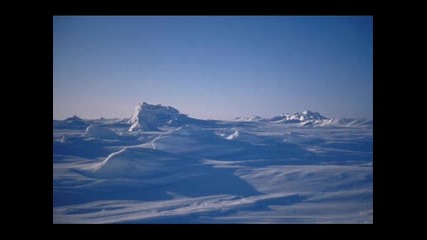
(300, 116)
(306, 115)
(255, 118)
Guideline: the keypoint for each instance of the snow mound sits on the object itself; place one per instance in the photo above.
(73, 122)
(99, 132)
(141, 163)
(149, 117)
(233, 136)
(73, 119)
(119, 164)
(243, 136)
(131, 163)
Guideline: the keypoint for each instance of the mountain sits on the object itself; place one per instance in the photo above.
(309, 119)
(315, 119)
(299, 117)
(249, 119)
(149, 117)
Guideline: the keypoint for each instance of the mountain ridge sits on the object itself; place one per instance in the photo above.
(150, 117)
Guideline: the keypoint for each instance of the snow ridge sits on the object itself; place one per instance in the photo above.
(148, 117)
(309, 119)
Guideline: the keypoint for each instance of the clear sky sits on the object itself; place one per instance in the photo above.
(216, 67)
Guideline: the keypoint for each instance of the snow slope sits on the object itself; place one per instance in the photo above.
(164, 167)
(99, 132)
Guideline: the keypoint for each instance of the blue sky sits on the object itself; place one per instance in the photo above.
(217, 67)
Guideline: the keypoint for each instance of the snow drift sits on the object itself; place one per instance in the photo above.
(130, 163)
(161, 166)
(100, 132)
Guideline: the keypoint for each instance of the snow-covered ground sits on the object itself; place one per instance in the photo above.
(161, 166)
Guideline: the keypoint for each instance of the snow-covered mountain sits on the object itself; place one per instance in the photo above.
(299, 117)
(310, 119)
(149, 117)
(285, 117)
(315, 119)
(255, 118)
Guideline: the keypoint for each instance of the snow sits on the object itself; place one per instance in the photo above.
(249, 119)
(309, 118)
(148, 117)
(73, 122)
(233, 136)
(99, 132)
(161, 166)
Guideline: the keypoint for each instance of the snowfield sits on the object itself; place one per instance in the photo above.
(161, 166)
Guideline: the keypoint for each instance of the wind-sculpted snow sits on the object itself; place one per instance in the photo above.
(194, 171)
(149, 117)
